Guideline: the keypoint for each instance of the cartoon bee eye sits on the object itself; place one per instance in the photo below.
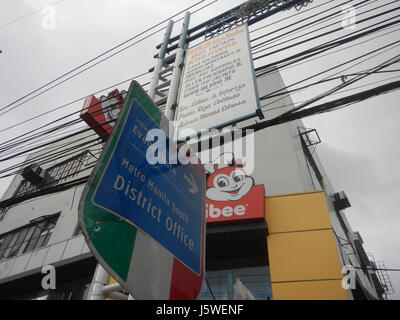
(237, 176)
(221, 181)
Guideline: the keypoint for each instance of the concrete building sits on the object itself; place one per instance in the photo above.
(295, 251)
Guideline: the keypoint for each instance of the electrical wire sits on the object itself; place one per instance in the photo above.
(339, 40)
(294, 31)
(99, 56)
(315, 24)
(313, 59)
(19, 142)
(387, 63)
(292, 16)
(368, 56)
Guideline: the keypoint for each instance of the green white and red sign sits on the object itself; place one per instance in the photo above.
(145, 223)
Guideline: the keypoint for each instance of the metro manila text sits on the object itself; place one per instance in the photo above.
(169, 215)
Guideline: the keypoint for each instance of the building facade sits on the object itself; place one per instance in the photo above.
(295, 249)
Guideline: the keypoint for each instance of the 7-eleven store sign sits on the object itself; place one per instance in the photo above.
(145, 224)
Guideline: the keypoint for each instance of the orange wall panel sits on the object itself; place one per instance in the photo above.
(299, 256)
(303, 254)
(303, 211)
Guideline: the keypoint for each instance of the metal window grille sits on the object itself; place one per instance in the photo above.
(68, 168)
(28, 238)
(60, 172)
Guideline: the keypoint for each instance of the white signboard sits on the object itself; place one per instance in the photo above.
(218, 85)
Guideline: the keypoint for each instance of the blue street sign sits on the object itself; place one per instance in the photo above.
(163, 200)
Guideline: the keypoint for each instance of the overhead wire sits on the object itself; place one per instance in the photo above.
(367, 57)
(313, 59)
(342, 39)
(99, 56)
(55, 154)
(316, 23)
(77, 100)
(302, 12)
(98, 62)
(302, 27)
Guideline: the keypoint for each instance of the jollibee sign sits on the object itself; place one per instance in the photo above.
(232, 194)
(99, 113)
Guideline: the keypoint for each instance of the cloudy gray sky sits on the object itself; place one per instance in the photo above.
(359, 149)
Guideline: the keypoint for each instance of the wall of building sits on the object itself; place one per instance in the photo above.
(281, 165)
(303, 256)
(301, 234)
(64, 243)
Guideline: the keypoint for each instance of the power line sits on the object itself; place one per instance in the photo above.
(312, 59)
(339, 40)
(294, 31)
(291, 16)
(367, 57)
(50, 111)
(345, 84)
(99, 56)
(79, 120)
(308, 33)
(78, 132)
(15, 143)
(76, 100)
(376, 269)
(278, 120)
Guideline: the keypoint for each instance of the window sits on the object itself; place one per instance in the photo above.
(219, 286)
(28, 238)
(60, 172)
(68, 168)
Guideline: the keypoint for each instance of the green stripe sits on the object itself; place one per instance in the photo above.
(114, 239)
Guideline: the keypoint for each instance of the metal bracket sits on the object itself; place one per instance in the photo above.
(260, 114)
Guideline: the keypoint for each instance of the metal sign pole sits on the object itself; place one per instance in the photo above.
(160, 61)
(176, 75)
(100, 279)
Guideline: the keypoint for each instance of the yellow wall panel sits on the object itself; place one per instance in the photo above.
(310, 290)
(303, 255)
(297, 256)
(303, 211)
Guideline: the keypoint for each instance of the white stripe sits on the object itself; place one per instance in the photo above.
(150, 270)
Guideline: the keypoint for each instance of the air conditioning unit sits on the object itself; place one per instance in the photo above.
(341, 201)
(37, 176)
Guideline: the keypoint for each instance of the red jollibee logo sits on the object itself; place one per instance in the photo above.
(231, 193)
